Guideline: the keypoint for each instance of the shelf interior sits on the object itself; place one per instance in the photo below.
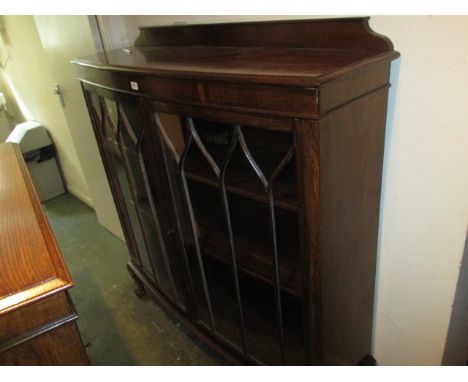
(252, 237)
(246, 195)
(267, 149)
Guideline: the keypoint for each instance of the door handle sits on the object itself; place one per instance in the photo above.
(58, 91)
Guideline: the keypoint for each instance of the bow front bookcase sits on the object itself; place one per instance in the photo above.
(245, 160)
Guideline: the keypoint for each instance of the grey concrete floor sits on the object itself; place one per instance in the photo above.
(118, 328)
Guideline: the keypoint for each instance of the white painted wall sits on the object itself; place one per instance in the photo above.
(424, 211)
(425, 198)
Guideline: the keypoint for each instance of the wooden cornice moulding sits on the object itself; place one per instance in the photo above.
(337, 33)
(31, 265)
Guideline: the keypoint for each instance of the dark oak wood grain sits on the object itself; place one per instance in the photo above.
(262, 148)
(308, 151)
(282, 101)
(339, 33)
(351, 155)
(36, 320)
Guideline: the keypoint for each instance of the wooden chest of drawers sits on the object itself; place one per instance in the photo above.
(37, 318)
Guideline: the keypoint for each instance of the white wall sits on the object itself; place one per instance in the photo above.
(425, 198)
(425, 195)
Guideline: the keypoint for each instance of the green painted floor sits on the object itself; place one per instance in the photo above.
(118, 328)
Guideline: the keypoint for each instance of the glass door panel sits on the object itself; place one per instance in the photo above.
(234, 188)
(213, 216)
(127, 149)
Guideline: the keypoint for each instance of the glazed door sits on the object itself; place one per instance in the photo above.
(127, 155)
(233, 193)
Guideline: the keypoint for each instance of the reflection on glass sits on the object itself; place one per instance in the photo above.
(111, 111)
(124, 137)
(130, 136)
(119, 169)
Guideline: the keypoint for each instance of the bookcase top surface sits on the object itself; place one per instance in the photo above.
(297, 53)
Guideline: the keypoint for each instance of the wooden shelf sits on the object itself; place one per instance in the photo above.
(252, 258)
(284, 192)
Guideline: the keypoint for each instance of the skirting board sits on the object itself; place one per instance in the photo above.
(86, 199)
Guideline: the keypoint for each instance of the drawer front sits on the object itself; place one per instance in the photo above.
(274, 100)
(31, 317)
(42, 333)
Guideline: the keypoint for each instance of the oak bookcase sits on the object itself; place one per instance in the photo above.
(245, 161)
